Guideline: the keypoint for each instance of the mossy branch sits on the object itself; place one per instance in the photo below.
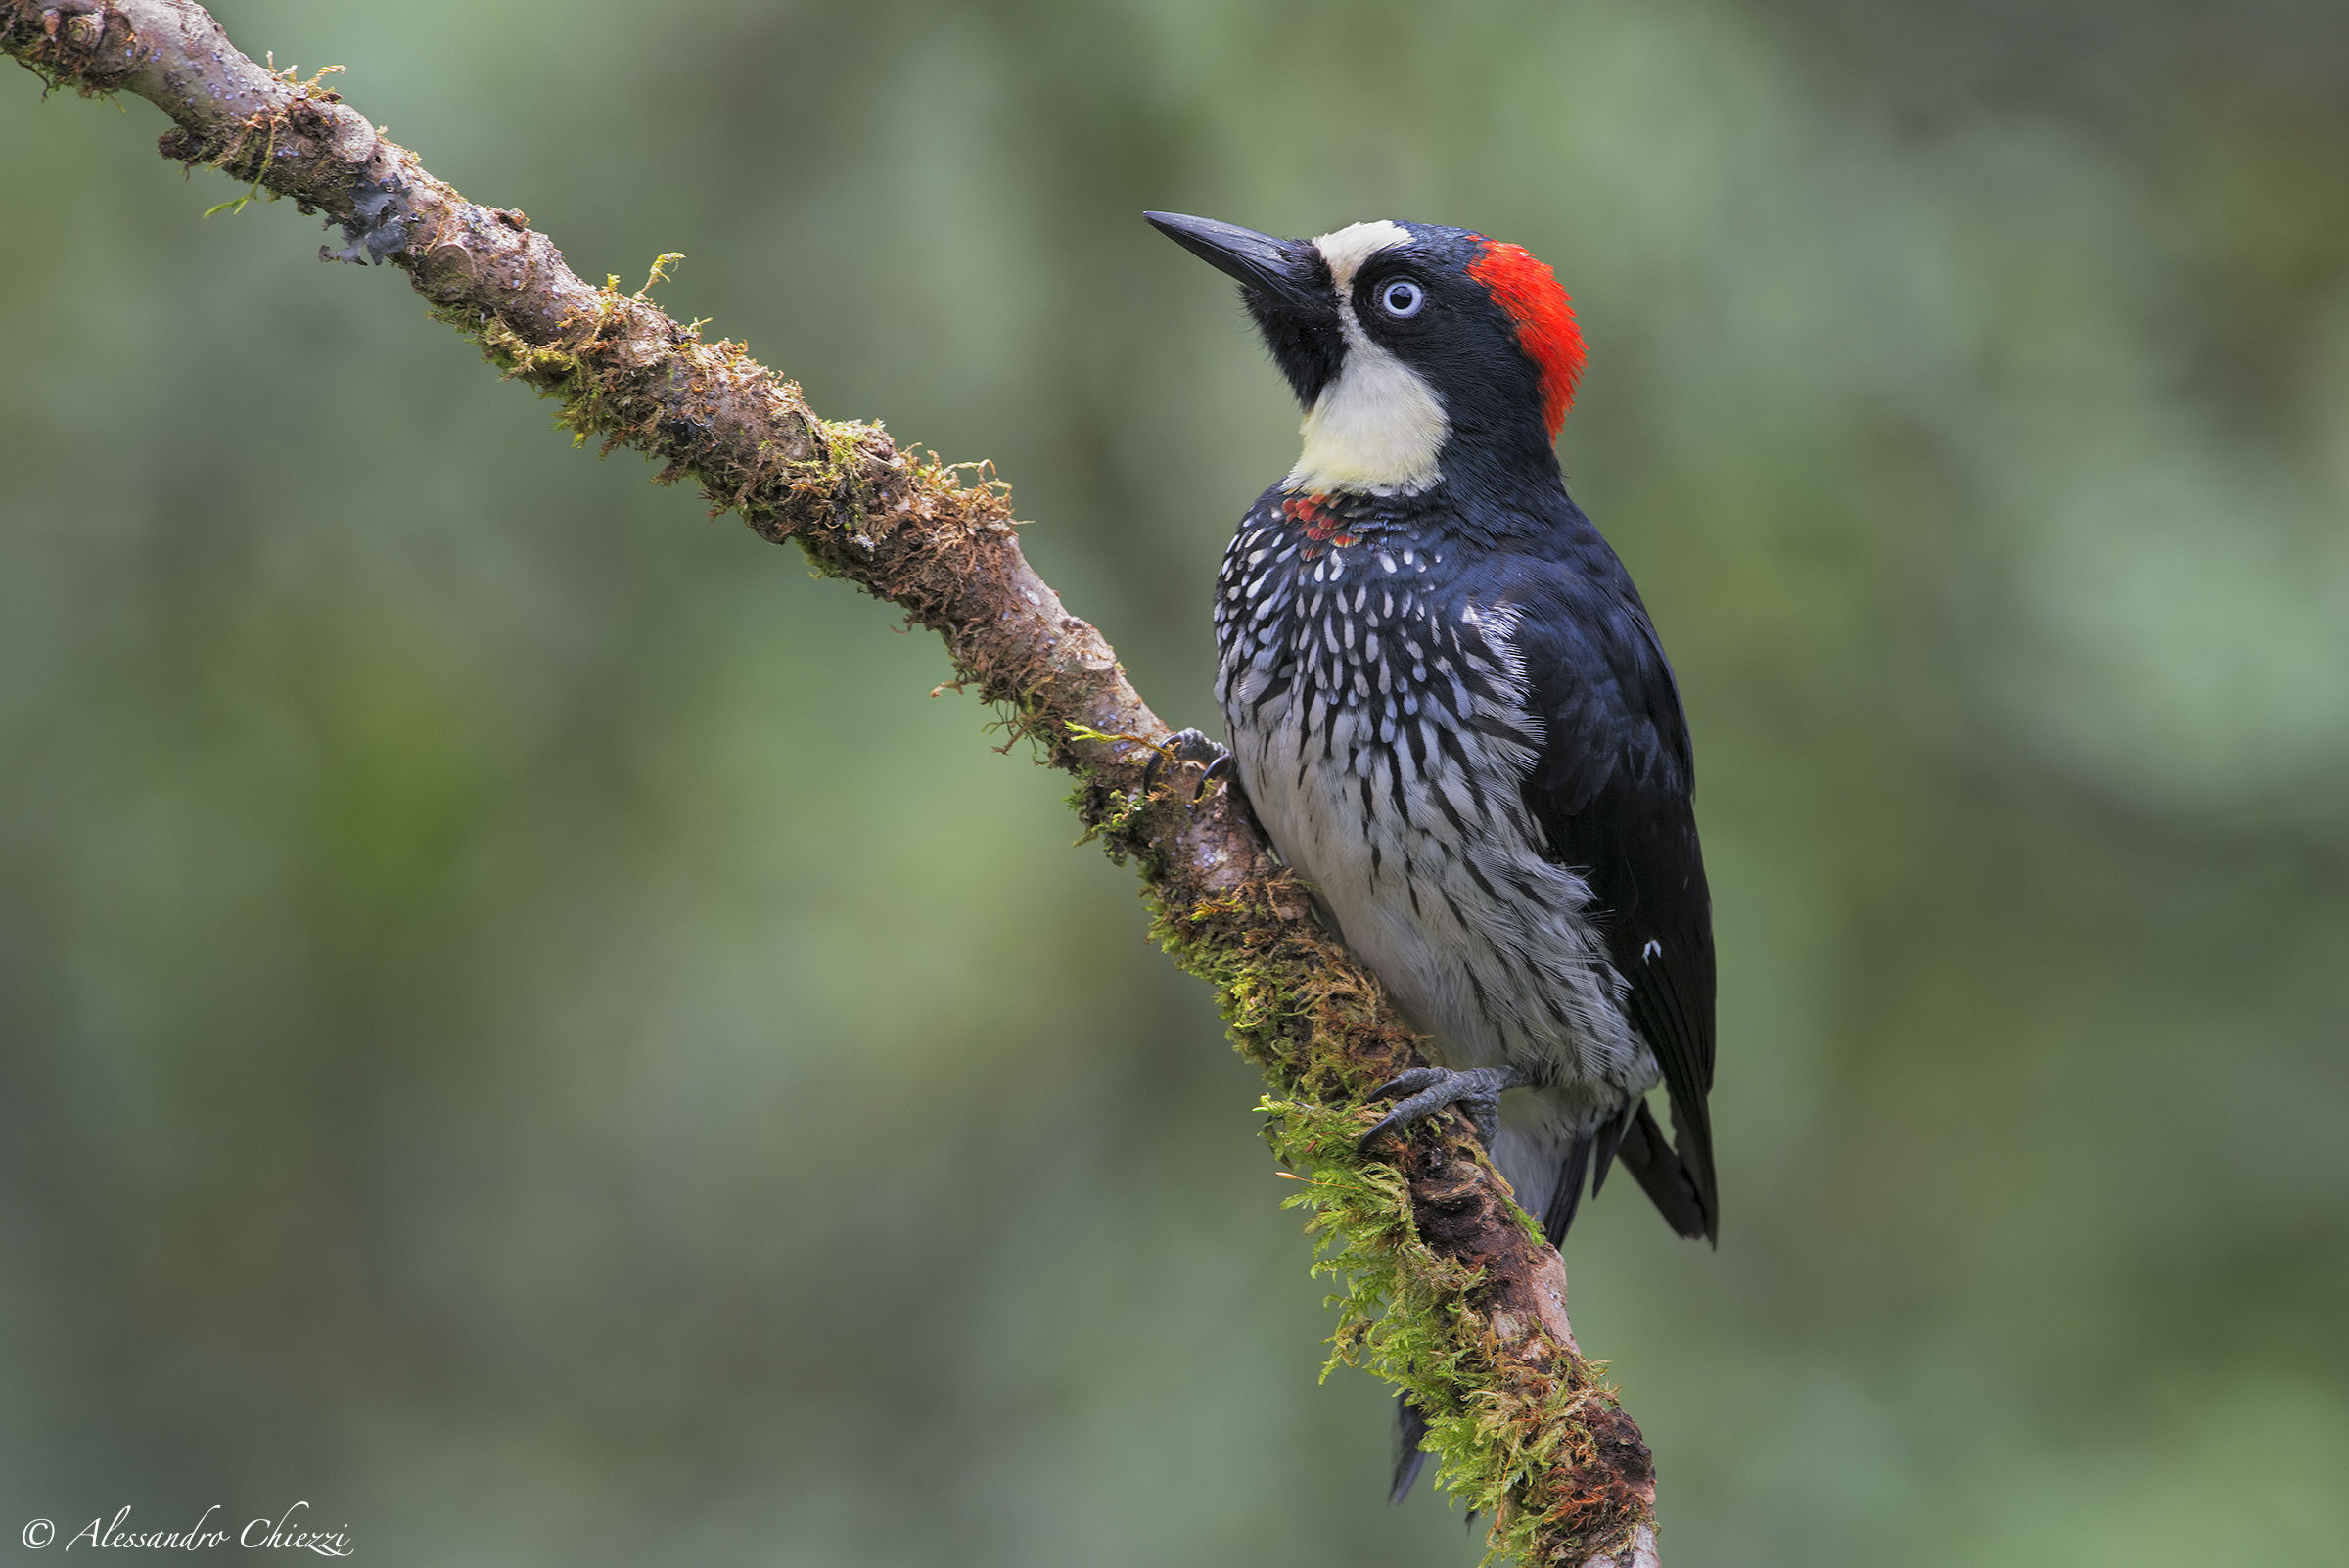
(1445, 1288)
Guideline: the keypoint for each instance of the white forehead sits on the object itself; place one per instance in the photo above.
(1349, 248)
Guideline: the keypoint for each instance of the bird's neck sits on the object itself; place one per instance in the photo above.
(1378, 433)
(1377, 427)
(1476, 503)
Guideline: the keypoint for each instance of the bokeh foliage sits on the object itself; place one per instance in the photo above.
(524, 1023)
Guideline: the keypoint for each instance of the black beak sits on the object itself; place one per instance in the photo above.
(1286, 286)
(1288, 272)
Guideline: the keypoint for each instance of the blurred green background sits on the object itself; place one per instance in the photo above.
(524, 1023)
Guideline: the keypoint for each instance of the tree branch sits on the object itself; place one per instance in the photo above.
(1446, 1289)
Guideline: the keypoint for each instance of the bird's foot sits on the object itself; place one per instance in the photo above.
(1188, 746)
(1474, 1090)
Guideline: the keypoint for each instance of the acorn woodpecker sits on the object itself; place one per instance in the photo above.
(1450, 713)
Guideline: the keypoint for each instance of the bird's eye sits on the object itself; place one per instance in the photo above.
(1401, 298)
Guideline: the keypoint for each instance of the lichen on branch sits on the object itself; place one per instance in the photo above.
(1444, 1287)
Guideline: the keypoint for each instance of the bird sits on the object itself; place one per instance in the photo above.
(1449, 712)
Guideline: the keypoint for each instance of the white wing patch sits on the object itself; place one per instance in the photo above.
(1378, 425)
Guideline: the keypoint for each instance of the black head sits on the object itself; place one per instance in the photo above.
(1418, 351)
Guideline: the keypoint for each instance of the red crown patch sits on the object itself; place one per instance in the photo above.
(1525, 287)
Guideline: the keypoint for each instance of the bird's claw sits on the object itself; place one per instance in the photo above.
(1188, 746)
(1476, 1090)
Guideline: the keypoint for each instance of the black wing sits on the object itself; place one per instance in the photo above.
(1611, 791)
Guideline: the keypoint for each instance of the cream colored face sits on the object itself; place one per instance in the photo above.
(1377, 426)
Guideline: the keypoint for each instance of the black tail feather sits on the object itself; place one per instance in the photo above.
(1665, 1179)
(1567, 1196)
(1610, 1137)
(1692, 1145)
(1410, 1430)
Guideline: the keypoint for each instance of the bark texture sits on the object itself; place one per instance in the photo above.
(1446, 1288)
